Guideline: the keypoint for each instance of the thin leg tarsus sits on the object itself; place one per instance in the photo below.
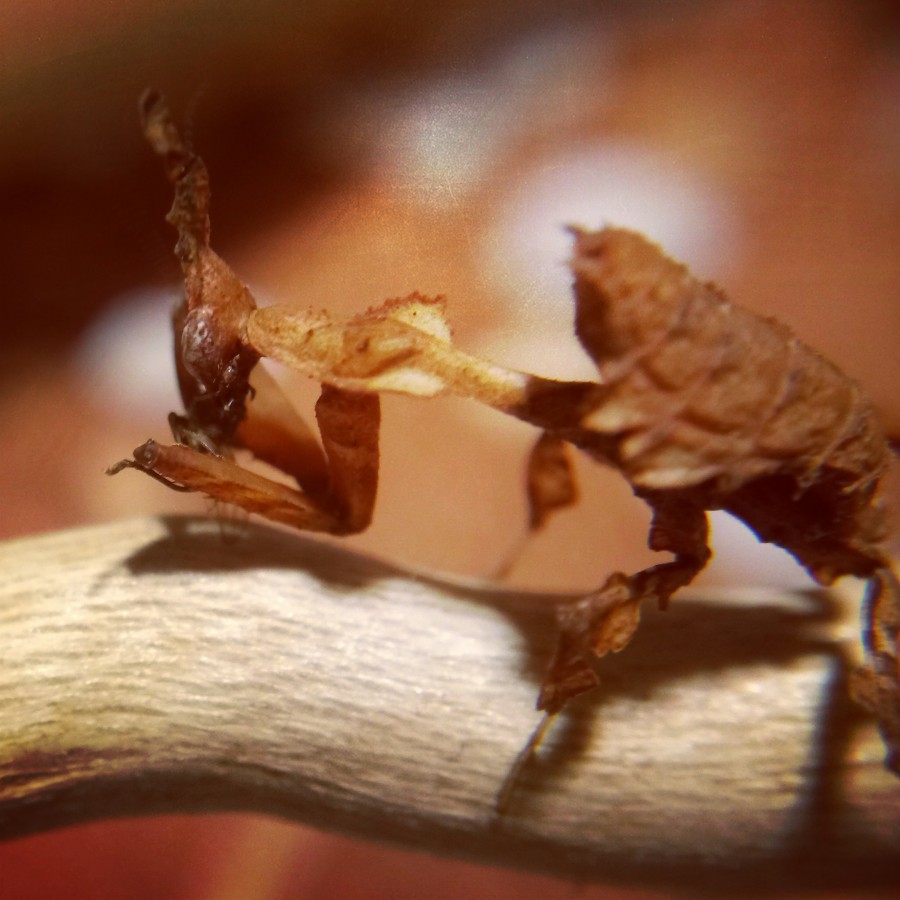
(523, 757)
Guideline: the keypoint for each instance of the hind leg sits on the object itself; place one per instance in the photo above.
(876, 686)
(606, 620)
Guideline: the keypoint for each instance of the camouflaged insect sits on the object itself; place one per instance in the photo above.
(699, 404)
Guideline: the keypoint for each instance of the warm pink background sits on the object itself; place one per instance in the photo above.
(784, 117)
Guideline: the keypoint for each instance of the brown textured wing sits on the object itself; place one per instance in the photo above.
(698, 388)
(702, 395)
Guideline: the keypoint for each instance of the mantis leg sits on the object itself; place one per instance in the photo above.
(606, 620)
(341, 493)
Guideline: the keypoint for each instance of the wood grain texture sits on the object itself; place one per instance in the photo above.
(153, 666)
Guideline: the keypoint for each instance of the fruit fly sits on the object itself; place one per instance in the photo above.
(700, 404)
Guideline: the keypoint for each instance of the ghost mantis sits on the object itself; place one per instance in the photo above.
(699, 404)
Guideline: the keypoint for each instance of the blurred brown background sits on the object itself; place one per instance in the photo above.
(362, 150)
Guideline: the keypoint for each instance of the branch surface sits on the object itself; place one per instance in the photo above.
(153, 666)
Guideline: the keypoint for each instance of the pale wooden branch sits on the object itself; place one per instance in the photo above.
(153, 666)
